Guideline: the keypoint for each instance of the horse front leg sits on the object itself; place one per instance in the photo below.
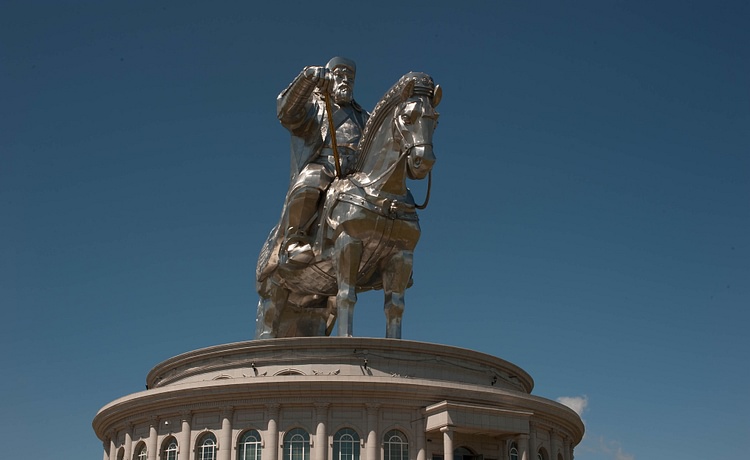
(347, 256)
(396, 275)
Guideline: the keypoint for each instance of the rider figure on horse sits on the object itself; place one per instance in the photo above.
(301, 108)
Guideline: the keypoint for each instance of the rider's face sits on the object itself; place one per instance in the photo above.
(343, 85)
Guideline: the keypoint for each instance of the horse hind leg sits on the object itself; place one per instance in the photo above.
(331, 314)
(396, 275)
(269, 312)
(347, 256)
(263, 320)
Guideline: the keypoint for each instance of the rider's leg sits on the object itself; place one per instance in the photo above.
(303, 203)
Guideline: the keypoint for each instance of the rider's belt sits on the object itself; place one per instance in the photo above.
(392, 209)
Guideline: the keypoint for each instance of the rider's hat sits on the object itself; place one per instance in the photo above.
(339, 61)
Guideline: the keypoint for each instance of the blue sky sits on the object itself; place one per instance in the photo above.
(589, 217)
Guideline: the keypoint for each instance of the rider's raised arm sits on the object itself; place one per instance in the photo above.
(292, 104)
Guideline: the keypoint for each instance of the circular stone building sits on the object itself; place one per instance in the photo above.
(337, 398)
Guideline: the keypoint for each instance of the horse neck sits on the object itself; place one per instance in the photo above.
(384, 169)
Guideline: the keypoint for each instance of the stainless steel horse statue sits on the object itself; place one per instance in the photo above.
(367, 228)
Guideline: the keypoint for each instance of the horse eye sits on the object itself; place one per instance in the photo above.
(406, 119)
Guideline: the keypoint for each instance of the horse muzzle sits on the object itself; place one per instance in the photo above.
(420, 161)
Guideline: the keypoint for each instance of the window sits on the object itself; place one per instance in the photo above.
(249, 448)
(464, 453)
(169, 449)
(297, 445)
(141, 453)
(207, 447)
(513, 452)
(346, 445)
(395, 446)
(289, 372)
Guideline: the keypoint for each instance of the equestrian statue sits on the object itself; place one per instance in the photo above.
(349, 223)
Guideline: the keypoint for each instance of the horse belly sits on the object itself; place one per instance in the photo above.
(381, 239)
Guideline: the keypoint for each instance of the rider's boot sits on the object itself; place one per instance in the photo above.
(297, 246)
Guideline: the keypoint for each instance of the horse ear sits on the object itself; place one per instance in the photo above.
(437, 96)
(407, 91)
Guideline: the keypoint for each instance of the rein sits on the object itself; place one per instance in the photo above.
(332, 130)
(429, 187)
(382, 175)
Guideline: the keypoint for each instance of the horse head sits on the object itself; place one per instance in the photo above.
(415, 121)
(409, 108)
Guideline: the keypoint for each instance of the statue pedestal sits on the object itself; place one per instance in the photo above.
(423, 393)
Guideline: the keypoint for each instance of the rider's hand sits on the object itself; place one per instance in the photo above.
(318, 75)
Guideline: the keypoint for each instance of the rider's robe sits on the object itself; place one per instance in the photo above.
(307, 122)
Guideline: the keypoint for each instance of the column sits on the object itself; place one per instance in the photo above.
(567, 449)
(372, 432)
(152, 438)
(225, 437)
(503, 450)
(112, 446)
(532, 441)
(183, 446)
(321, 446)
(447, 442)
(271, 446)
(128, 441)
(421, 451)
(552, 445)
(571, 456)
(523, 447)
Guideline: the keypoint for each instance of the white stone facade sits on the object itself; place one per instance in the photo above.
(337, 398)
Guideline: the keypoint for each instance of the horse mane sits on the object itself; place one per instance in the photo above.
(384, 111)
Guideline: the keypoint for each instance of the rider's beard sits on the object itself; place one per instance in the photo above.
(342, 94)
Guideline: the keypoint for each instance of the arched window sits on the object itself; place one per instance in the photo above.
(395, 446)
(289, 372)
(463, 453)
(297, 445)
(513, 451)
(346, 445)
(207, 447)
(249, 447)
(169, 449)
(542, 454)
(121, 453)
(141, 453)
